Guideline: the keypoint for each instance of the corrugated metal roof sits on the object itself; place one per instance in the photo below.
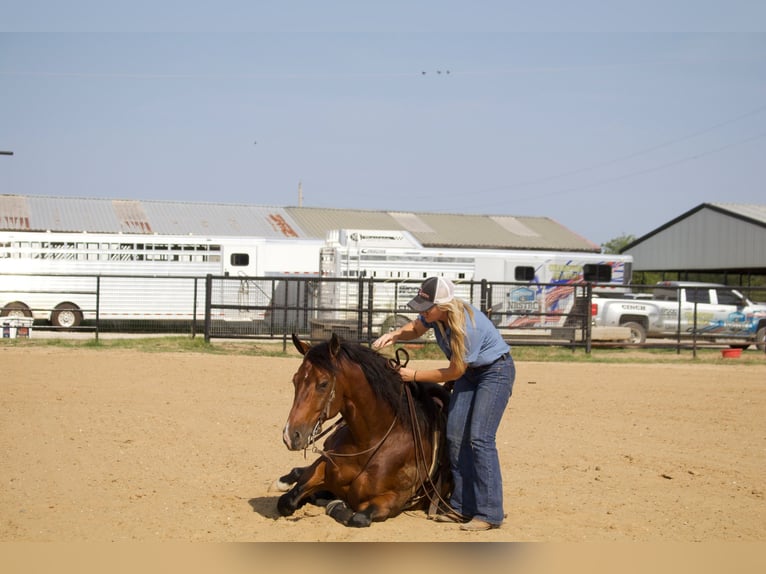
(318, 221)
(450, 230)
(709, 237)
(42, 213)
(755, 213)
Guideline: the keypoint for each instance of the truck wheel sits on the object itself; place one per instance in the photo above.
(637, 333)
(67, 316)
(760, 339)
(16, 309)
(392, 323)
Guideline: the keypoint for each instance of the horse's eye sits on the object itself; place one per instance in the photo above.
(322, 385)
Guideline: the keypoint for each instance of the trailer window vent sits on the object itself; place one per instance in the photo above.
(524, 273)
(240, 259)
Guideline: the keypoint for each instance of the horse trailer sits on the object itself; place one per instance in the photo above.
(66, 278)
(531, 289)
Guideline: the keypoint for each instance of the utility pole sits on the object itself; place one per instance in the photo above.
(300, 194)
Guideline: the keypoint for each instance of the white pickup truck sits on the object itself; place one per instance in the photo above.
(722, 313)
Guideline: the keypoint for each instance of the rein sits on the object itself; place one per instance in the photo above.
(317, 433)
(421, 462)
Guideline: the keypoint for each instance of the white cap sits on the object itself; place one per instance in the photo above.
(433, 291)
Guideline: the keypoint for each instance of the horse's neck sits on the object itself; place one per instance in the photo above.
(368, 418)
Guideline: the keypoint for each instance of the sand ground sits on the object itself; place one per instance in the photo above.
(102, 445)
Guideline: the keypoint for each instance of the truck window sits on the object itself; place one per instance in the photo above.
(666, 294)
(240, 259)
(524, 273)
(597, 273)
(697, 295)
(727, 297)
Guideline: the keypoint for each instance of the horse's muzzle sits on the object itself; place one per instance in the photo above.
(296, 438)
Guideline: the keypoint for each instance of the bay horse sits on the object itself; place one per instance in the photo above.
(388, 452)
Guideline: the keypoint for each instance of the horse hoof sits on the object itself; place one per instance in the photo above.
(285, 507)
(359, 520)
(334, 506)
(280, 486)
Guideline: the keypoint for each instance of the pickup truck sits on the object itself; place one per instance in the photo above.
(722, 313)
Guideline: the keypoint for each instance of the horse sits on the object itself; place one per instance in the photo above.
(386, 453)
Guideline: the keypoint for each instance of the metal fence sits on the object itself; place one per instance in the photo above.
(272, 308)
(105, 303)
(362, 309)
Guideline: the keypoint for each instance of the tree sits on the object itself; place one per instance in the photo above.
(617, 244)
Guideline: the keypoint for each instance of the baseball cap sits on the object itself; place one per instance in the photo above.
(433, 291)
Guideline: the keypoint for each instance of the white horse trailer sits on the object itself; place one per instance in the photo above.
(57, 276)
(539, 291)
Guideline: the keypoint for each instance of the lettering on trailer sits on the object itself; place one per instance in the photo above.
(564, 271)
(367, 236)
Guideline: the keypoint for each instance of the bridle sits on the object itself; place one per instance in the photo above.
(324, 414)
(401, 359)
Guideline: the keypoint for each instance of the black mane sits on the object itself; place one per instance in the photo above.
(381, 376)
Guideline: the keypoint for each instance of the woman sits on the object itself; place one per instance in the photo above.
(481, 366)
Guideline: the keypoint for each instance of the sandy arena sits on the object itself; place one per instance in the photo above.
(102, 445)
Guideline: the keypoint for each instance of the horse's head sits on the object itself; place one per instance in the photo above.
(315, 398)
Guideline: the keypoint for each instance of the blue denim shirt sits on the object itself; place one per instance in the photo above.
(483, 344)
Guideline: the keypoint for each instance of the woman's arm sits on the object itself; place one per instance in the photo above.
(450, 373)
(408, 332)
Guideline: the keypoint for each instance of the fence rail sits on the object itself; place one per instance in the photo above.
(362, 309)
(271, 308)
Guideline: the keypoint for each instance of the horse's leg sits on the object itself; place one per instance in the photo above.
(340, 511)
(343, 513)
(286, 481)
(310, 479)
(380, 508)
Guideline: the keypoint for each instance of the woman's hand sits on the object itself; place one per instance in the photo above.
(406, 374)
(385, 339)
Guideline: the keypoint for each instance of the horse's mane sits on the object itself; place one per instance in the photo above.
(381, 376)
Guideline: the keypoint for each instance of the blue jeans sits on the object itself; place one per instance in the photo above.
(477, 404)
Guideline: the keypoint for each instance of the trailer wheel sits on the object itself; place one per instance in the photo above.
(637, 333)
(760, 339)
(742, 346)
(392, 323)
(67, 316)
(15, 309)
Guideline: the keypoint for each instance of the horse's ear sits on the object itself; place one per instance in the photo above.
(302, 346)
(334, 345)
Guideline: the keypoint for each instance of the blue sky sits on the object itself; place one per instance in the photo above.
(611, 118)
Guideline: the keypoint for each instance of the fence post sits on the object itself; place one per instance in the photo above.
(678, 321)
(194, 310)
(208, 301)
(370, 307)
(484, 297)
(694, 332)
(98, 304)
(359, 305)
(587, 319)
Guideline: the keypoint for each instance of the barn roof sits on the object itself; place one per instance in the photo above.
(709, 237)
(94, 215)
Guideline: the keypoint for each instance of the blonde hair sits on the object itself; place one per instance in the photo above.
(455, 310)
